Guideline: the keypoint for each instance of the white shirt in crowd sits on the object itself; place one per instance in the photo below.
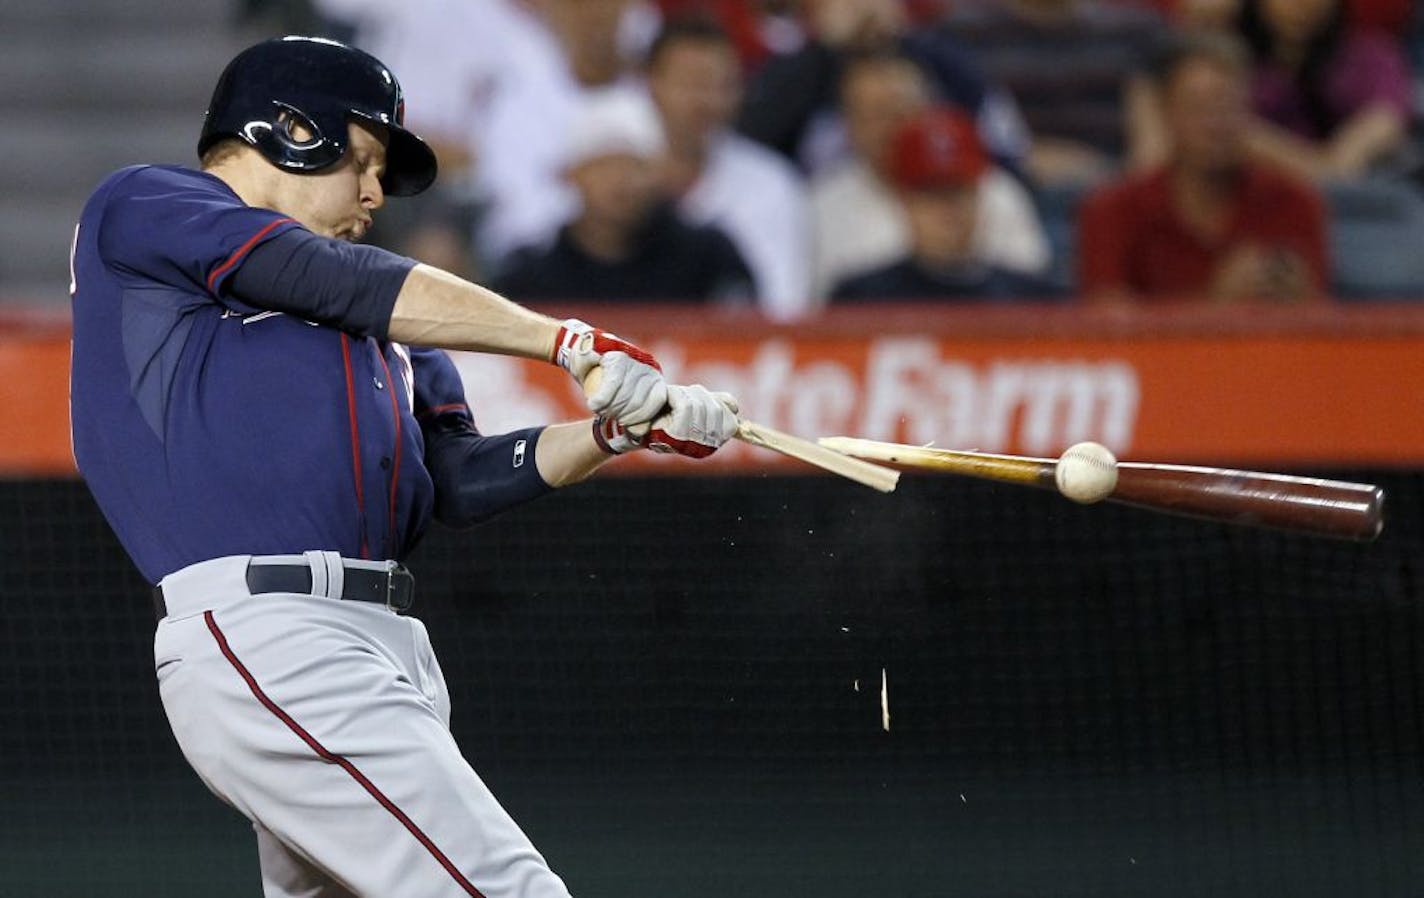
(858, 225)
(490, 74)
(757, 199)
(452, 56)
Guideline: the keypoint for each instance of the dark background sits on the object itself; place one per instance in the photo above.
(658, 677)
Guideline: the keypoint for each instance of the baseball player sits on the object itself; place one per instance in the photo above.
(257, 414)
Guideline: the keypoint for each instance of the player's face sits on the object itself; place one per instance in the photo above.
(339, 201)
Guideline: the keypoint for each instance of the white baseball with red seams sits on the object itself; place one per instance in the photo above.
(1086, 473)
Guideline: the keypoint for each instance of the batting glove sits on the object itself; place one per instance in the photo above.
(614, 438)
(632, 390)
(696, 422)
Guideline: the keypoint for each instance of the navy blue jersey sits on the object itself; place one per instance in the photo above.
(208, 426)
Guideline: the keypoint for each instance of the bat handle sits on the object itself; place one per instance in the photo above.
(590, 384)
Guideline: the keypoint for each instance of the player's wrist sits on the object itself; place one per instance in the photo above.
(568, 351)
(615, 439)
(620, 379)
(579, 347)
(553, 332)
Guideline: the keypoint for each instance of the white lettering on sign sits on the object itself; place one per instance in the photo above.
(910, 391)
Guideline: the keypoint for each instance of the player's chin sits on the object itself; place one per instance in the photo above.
(351, 231)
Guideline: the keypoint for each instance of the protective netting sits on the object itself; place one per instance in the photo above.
(675, 686)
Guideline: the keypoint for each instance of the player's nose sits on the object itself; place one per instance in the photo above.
(372, 195)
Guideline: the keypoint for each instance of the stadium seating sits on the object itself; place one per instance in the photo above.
(1376, 232)
(90, 87)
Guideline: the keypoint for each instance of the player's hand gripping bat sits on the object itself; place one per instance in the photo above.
(863, 472)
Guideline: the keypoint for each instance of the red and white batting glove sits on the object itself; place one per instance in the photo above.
(696, 422)
(632, 390)
(614, 438)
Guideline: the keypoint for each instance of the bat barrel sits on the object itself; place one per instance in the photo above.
(1330, 508)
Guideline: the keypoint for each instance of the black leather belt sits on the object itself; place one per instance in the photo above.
(394, 588)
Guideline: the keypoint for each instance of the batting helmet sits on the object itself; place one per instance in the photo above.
(321, 85)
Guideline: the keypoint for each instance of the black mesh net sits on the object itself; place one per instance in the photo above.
(675, 685)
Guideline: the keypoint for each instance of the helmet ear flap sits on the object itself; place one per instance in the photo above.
(293, 98)
(293, 140)
(296, 129)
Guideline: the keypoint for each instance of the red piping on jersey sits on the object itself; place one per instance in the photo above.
(242, 251)
(395, 465)
(338, 760)
(442, 409)
(355, 441)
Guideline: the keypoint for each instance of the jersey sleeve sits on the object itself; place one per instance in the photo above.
(476, 476)
(182, 228)
(348, 285)
(439, 392)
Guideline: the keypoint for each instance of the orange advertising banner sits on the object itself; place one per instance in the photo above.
(1278, 387)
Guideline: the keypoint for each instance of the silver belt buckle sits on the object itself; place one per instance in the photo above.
(395, 603)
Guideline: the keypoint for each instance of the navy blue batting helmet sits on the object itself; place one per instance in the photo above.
(321, 85)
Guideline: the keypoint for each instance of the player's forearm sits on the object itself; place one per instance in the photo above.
(568, 453)
(477, 477)
(435, 308)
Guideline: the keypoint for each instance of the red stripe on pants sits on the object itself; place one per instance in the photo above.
(332, 758)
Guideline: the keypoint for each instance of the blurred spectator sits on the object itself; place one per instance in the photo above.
(453, 56)
(791, 103)
(1333, 101)
(860, 223)
(625, 243)
(938, 164)
(1208, 15)
(757, 28)
(576, 49)
(1393, 16)
(1068, 64)
(288, 17)
(721, 178)
(1209, 223)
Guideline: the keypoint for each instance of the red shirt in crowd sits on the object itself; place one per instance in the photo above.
(1394, 16)
(1131, 238)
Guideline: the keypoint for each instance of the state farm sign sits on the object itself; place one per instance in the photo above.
(1276, 389)
(902, 388)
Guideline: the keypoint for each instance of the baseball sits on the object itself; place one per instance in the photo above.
(1086, 472)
